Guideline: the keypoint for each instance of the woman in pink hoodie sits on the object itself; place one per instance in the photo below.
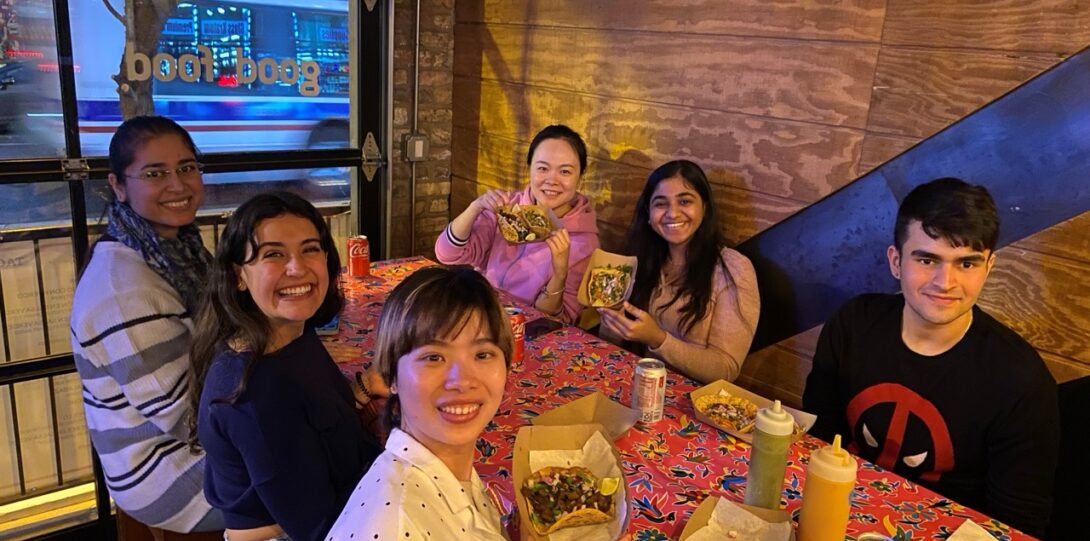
(545, 274)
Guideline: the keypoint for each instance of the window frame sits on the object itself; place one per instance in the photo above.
(370, 116)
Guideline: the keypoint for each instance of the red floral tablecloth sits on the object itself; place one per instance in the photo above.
(671, 466)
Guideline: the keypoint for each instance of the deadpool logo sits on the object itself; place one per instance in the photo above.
(905, 430)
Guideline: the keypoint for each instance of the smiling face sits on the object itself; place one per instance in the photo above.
(171, 201)
(288, 277)
(676, 211)
(554, 174)
(450, 388)
(940, 283)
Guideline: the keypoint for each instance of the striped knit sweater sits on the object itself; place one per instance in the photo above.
(130, 337)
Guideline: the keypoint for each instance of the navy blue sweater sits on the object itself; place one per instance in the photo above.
(291, 448)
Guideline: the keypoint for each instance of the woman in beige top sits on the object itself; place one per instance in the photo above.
(694, 303)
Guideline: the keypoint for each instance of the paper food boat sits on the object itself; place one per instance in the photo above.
(803, 419)
(602, 258)
(703, 515)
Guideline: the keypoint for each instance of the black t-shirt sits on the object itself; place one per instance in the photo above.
(977, 423)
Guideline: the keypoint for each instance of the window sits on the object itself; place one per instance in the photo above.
(30, 110)
(239, 75)
(271, 91)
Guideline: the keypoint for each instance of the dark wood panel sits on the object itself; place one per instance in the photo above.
(879, 148)
(1070, 239)
(855, 20)
(612, 185)
(1044, 298)
(788, 159)
(462, 193)
(1064, 369)
(1051, 26)
(780, 370)
(611, 236)
(920, 91)
(776, 372)
(828, 83)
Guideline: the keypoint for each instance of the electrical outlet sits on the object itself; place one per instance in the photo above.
(414, 147)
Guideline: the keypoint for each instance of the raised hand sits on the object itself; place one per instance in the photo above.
(631, 323)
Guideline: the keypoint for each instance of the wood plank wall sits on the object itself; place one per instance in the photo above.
(781, 103)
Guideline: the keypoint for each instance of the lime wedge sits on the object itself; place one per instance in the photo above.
(608, 485)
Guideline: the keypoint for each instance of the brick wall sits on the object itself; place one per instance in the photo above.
(434, 120)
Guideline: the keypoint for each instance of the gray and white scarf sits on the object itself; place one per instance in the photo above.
(182, 261)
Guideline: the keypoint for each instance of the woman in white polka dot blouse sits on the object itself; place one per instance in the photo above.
(444, 348)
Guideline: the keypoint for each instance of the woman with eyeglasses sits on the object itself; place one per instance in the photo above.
(132, 326)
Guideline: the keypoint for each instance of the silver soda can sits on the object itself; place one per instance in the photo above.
(649, 390)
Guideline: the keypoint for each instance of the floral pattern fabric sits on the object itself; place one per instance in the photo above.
(671, 466)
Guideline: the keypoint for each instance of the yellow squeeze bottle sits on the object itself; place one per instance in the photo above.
(826, 496)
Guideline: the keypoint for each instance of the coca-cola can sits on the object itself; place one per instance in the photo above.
(518, 332)
(359, 256)
(649, 390)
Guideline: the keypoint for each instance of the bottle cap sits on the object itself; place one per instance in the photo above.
(775, 420)
(833, 463)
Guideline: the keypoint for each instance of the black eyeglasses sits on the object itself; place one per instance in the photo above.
(188, 171)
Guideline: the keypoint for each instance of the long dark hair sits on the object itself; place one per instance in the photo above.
(228, 314)
(702, 254)
(434, 302)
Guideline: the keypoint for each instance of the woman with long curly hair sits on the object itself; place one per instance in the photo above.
(275, 416)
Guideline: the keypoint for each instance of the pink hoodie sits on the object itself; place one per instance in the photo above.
(523, 269)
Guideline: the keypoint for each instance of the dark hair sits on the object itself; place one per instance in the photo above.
(434, 302)
(950, 208)
(702, 254)
(134, 133)
(228, 314)
(560, 131)
(130, 136)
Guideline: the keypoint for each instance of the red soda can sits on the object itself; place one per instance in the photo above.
(518, 332)
(359, 256)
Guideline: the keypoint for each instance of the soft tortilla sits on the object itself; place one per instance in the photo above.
(579, 517)
(510, 225)
(537, 220)
(616, 276)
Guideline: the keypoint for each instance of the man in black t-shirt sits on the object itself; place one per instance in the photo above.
(928, 385)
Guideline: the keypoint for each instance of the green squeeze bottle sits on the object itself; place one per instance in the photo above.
(768, 458)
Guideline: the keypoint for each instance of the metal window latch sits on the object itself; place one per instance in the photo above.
(76, 169)
(372, 157)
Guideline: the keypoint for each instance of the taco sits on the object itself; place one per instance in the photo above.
(538, 220)
(607, 285)
(563, 497)
(523, 223)
(512, 226)
(728, 411)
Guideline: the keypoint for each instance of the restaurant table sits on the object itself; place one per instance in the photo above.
(671, 466)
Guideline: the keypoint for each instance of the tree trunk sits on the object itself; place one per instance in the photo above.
(144, 24)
